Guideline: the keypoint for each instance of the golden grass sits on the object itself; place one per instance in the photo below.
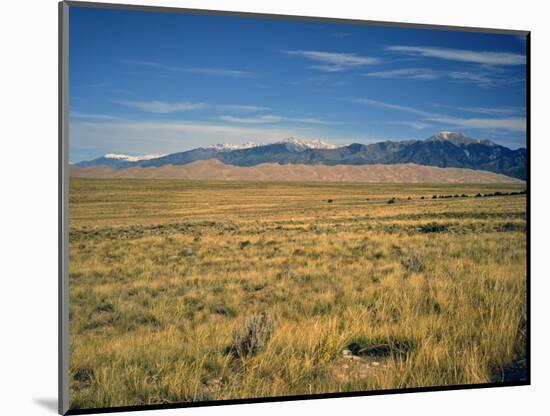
(164, 273)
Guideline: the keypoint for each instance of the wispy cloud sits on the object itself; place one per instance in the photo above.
(252, 120)
(220, 72)
(311, 120)
(407, 73)
(224, 72)
(157, 106)
(461, 55)
(497, 111)
(389, 106)
(76, 114)
(417, 125)
(162, 106)
(243, 108)
(270, 118)
(333, 61)
(481, 79)
(515, 124)
(512, 124)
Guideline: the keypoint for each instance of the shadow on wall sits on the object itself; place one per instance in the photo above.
(49, 404)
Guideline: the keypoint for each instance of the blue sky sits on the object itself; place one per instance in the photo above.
(143, 82)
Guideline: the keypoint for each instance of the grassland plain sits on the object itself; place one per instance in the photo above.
(202, 290)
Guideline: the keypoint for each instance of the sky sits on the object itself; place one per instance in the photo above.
(159, 83)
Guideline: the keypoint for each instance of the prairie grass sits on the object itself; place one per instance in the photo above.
(198, 290)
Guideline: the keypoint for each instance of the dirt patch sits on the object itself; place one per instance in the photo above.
(352, 367)
(378, 350)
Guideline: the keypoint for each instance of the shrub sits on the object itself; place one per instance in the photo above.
(244, 244)
(185, 252)
(330, 201)
(391, 201)
(105, 306)
(224, 310)
(252, 337)
(511, 226)
(83, 375)
(413, 263)
(433, 227)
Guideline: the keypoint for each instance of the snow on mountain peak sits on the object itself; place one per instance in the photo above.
(128, 158)
(298, 144)
(457, 138)
(309, 144)
(449, 134)
(227, 147)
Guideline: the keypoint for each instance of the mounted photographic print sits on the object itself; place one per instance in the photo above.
(265, 208)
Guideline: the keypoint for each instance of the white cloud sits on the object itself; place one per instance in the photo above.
(407, 73)
(157, 106)
(243, 108)
(515, 124)
(389, 106)
(162, 106)
(310, 120)
(481, 79)
(76, 114)
(225, 72)
(500, 111)
(220, 72)
(417, 125)
(460, 55)
(270, 118)
(333, 61)
(252, 120)
(512, 124)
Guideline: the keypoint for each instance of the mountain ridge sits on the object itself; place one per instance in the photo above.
(443, 149)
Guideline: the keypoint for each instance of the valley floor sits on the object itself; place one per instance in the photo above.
(207, 290)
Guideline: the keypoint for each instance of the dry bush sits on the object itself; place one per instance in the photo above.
(253, 336)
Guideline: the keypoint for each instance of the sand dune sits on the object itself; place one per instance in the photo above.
(216, 170)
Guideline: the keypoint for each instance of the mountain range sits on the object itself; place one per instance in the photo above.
(444, 150)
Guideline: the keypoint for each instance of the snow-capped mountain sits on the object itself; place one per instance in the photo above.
(300, 144)
(295, 144)
(443, 149)
(227, 147)
(128, 158)
(457, 138)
